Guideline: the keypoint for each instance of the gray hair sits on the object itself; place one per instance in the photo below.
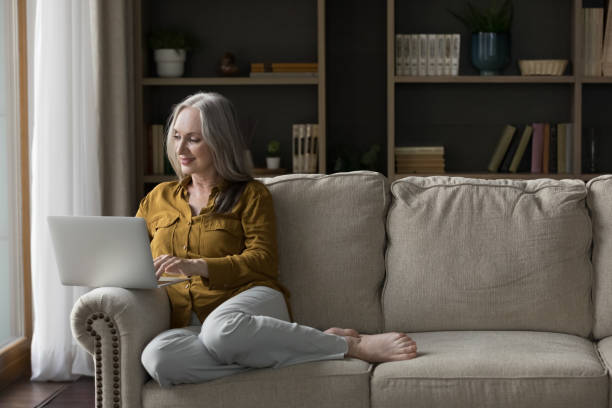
(221, 132)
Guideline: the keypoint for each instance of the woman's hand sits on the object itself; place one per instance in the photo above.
(174, 265)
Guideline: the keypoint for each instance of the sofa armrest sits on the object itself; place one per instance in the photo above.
(114, 325)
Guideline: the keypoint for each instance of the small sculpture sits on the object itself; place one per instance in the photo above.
(228, 66)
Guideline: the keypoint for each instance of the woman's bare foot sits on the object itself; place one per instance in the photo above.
(342, 332)
(379, 348)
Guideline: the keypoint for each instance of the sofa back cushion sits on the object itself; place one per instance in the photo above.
(473, 254)
(331, 240)
(599, 200)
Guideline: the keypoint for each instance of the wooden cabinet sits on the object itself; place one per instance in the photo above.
(274, 31)
(467, 113)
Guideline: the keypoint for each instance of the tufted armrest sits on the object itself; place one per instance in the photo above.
(115, 325)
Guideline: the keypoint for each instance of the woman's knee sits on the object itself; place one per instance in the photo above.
(224, 335)
(161, 358)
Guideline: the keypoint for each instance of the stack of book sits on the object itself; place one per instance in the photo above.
(284, 69)
(419, 159)
(305, 147)
(156, 161)
(538, 148)
(427, 54)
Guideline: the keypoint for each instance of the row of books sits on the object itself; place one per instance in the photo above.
(427, 54)
(538, 148)
(305, 147)
(284, 70)
(597, 47)
(419, 159)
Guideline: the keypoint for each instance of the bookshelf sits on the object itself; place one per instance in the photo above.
(466, 113)
(252, 33)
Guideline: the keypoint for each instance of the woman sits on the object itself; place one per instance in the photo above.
(217, 226)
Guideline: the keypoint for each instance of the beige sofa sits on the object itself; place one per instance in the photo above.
(506, 286)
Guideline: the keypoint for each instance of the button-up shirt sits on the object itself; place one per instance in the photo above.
(239, 246)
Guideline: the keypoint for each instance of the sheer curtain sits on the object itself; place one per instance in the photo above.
(80, 73)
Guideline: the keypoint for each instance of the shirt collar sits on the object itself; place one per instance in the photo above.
(221, 186)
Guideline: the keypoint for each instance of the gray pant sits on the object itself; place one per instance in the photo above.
(251, 330)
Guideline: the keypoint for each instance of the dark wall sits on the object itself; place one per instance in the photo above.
(356, 81)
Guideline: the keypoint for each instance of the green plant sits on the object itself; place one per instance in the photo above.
(170, 39)
(273, 147)
(495, 19)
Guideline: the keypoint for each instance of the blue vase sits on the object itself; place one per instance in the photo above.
(490, 52)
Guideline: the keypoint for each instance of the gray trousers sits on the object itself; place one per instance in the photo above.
(249, 331)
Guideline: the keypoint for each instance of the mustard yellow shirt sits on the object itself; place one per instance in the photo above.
(239, 247)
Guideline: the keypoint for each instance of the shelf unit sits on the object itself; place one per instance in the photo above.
(154, 96)
(566, 92)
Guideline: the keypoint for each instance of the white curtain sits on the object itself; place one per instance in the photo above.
(65, 165)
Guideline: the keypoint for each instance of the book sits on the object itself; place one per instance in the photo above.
(502, 147)
(569, 147)
(505, 164)
(432, 57)
(606, 58)
(546, 148)
(593, 36)
(537, 147)
(448, 46)
(314, 146)
(423, 55)
(297, 131)
(561, 140)
(552, 163)
(414, 54)
(399, 54)
(283, 74)
(455, 54)
(521, 149)
(420, 149)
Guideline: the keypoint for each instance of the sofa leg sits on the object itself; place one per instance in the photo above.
(106, 337)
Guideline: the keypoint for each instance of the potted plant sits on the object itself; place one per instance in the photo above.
(273, 158)
(170, 49)
(490, 29)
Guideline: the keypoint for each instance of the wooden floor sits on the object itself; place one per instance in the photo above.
(28, 394)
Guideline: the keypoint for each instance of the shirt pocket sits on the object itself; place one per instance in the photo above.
(221, 237)
(163, 235)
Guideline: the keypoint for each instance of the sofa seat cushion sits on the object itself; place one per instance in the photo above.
(605, 351)
(473, 254)
(333, 383)
(494, 369)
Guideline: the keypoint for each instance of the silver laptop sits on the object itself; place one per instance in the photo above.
(104, 251)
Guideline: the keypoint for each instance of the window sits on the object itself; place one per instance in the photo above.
(14, 193)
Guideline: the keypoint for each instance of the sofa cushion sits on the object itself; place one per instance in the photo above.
(605, 351)
(494, 369)
(473, 254)
(331, 240)
(599, 200)
(334, 383)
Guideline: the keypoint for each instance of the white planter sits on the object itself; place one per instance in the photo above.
(170, 62)
(273, 162)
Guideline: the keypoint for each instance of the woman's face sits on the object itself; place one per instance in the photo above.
(193, 153)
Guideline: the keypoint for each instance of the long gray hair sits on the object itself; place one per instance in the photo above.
(221, 132)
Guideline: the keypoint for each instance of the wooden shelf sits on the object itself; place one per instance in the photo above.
(496, 176)
(477, 79)
(235, 81)
(597, 80)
